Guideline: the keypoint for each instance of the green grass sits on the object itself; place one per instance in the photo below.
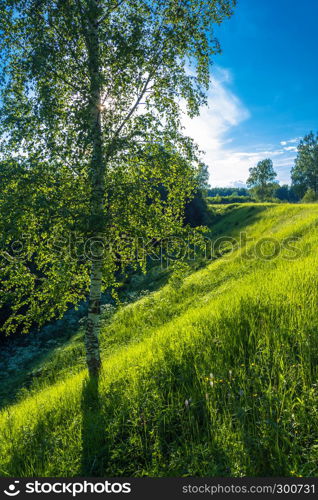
(215, 376)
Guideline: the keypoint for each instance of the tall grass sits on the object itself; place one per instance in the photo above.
(215, 377)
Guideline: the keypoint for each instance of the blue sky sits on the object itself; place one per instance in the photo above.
(264, 93)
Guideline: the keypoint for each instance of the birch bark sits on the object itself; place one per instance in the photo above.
(97, 185)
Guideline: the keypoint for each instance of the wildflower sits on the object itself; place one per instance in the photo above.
(211, 383)
(230, 374)
(187, 402)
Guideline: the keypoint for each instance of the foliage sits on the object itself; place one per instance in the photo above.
(310, 196)
(227, 191)
(304, 174)
(261, 179)
(214, 377)
(196, 211)
(233, 198)
(90, 132)
(243, 195)
(203, 179)
(286, 193)
(45, 256)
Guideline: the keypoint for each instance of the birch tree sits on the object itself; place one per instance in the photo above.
(92, 94)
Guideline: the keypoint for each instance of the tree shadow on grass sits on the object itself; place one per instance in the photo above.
(94, 447)
(33, 451)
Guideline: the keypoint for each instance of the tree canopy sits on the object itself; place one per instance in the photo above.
(91, 102)
(261, 179)
(304, 174)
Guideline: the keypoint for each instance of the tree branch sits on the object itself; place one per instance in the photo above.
(134, 107)
(109, 11)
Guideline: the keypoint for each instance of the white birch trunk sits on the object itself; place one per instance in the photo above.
(93, 320)
(97, 185)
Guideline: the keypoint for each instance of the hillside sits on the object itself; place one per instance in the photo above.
(212, 375)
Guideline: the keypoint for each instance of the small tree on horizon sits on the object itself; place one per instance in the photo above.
(261, 179)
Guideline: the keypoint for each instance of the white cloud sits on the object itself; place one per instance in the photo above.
(223, 112)
(290, 141)
(210, 130)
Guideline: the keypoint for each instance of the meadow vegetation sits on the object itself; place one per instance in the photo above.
(213, 374)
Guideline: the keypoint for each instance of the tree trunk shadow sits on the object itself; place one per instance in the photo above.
(93, 440)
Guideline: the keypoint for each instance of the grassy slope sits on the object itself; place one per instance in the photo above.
(215, 377)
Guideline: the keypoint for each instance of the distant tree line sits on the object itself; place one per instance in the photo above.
(228, 191)
(226, 195)
(262, 184)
